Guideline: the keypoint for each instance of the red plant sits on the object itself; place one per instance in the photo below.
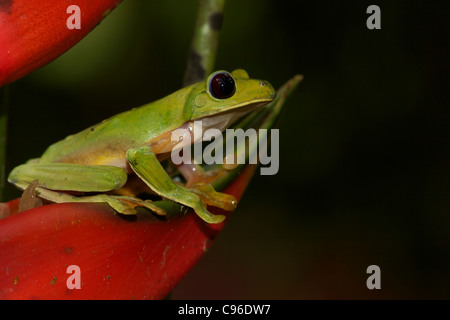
(136, 257)
(33, 32)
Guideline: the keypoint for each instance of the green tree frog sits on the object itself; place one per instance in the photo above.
(103, 158)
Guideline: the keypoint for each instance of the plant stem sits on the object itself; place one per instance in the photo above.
(3, 133)
(202, 53)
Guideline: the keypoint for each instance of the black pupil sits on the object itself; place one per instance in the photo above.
(222, 86)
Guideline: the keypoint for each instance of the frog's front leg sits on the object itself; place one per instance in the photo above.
(146, 165)
(56, 177)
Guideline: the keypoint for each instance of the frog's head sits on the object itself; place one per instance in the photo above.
(225, 97)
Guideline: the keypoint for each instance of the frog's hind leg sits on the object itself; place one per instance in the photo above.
(69, 176)
(122, 204)
(54, 178)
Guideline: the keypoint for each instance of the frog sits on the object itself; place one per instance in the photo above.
(100, 163)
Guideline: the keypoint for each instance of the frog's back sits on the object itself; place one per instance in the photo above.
(107, 142)
(90, 146)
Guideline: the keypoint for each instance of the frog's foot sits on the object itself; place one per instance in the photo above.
(213, 198)
(123, 204)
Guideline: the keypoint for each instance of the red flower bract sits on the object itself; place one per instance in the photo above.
(34, 32)
(133, 257)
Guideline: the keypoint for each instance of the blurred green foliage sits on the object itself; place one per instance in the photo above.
(364, 170)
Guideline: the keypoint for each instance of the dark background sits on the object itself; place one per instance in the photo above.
(364, 144)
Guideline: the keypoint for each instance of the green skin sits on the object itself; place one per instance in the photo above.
(100, 158)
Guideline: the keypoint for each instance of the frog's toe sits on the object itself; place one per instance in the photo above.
(207, 216)
(132, 203)
(214, 198)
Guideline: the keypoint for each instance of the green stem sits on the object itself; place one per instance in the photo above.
(202, 53)
(3, 132)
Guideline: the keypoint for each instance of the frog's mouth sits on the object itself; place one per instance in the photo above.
(226, 118)
(193, 131)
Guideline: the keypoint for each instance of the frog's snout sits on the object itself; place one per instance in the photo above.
(263, 83)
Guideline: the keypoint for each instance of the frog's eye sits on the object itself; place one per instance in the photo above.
(221, 85)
